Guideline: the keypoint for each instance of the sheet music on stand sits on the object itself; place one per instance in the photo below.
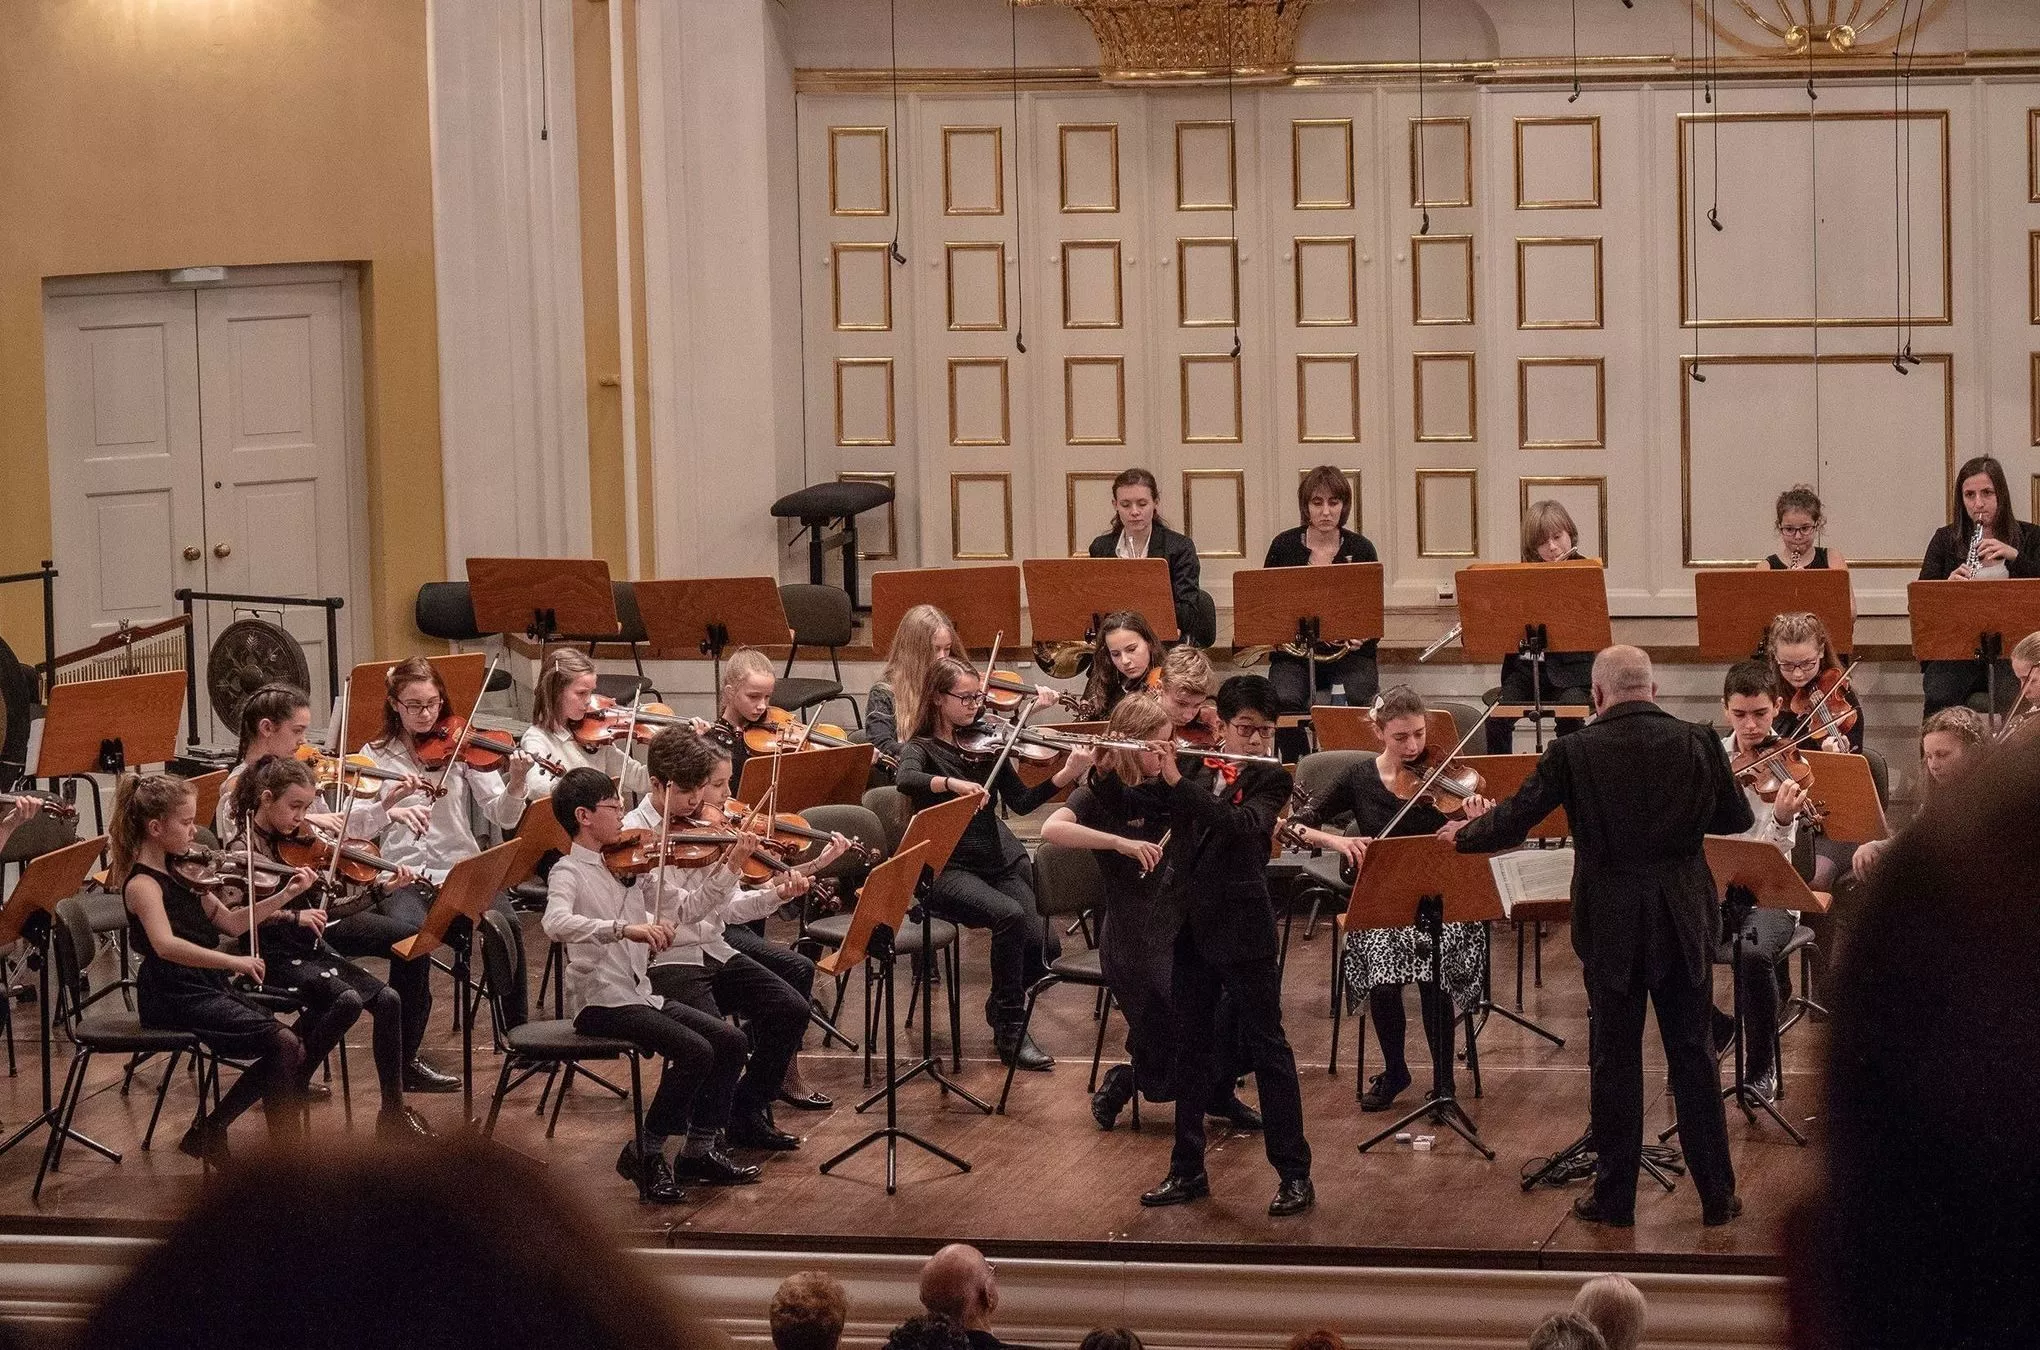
(1531, 875)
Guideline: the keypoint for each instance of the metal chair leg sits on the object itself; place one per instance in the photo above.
(1026, 1018)
(1098, 1047)
(162, 1091)
(496, 1101)
(560, 1097)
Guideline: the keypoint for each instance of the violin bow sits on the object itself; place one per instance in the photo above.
(1439, 768)
(248, 852)
(468, 726)
(1020, 716)
(630, 728)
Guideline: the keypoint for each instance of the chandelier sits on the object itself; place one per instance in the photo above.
(1190, 41)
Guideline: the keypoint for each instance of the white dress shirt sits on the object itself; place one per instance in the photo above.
(539, 781)
(587, 909)
(1129, 547)
(701, 902)
(450, 836)
(1781, 834)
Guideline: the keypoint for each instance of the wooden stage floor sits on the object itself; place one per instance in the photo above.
(1045, 1180)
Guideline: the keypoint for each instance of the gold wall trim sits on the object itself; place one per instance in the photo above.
(1423, 243)
(2033, 503)
(2033, 276)
(1419, 424)
(1070, 364)
(2033, 400)
(1070, 481)
(1232, 166)
(1238, 479)
(2033, 154)
(849, 362)
(1304, 361)
(1687, 124)
(1928, 360)
(956, 482)
(1190, 359)
(998, 363)
(1417, 189)
(1062, 143)
(836, 252)
(1231, 318)
(1297, 127)
(1071, 246)
(1472, 480)
(998, 206)
(949, 252)
(1591, 202)
(892, 515)
(1345, 242)
(1524, 365)
(838, 134)
(1598, 482)
(1523, 247)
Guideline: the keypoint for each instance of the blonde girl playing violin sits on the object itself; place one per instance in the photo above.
(562, 696)
(1800, 653)
(184, 980)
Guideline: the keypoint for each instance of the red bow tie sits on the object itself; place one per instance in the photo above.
(1228, 770)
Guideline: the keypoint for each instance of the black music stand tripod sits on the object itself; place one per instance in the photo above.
(1443, 1108)
(924, 985)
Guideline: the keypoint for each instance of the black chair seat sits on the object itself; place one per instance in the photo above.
(831, 931)
(797, 693)
(1802, 936)
(831, 501)
(1079, 967)
(528, 896)
(559, 1040)
(116, 1030)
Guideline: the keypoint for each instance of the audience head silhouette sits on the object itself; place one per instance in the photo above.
(808, 1312)
(958, 1283)
(1566, 1331)
(1615, 1307)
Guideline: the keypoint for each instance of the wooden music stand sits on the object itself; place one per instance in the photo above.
(1505, 774)
(1736, 606)
(941, 828)
(1424, 880)
(1752, 874)
(881, 908)
(367, 692)
(1273, 606)
(208, 786)
(1845, 791)
(980, 601)
(712, 614)
(1345, 728)
(109, 726)
(829, 776)
(538, 833)
(468, 891)
(1527, 610)
(1067, 597)
(45, 882)
(543, 598)
(1970, 620)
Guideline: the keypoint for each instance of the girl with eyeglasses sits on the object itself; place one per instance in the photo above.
(1799, 520)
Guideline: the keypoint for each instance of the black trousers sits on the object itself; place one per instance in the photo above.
(1255, 990)
(1756, 979)
(1519, 685)
(398, 915)
(335, 993)
(774, 1014)
(783, 961)
(1022, 943)
(1391, 1024)
(1946, 684)
(1685, 1014)
(1355, 672)
(704, 1056)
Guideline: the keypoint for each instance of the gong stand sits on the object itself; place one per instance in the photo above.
(331, 604)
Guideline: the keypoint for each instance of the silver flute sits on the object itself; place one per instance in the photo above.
(1078, 738)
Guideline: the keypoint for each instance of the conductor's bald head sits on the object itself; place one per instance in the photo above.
(1622, 675)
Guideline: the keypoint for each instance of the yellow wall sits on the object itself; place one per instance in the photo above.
(144, 134)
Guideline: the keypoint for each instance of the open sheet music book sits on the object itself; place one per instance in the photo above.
(1532, 874)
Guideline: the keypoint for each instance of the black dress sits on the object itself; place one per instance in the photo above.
(1818, 563)
(1355, 672)
(171, 996)
(1137, 942)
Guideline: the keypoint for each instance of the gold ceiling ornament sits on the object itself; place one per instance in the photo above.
(1826, 28)
(1191, 41)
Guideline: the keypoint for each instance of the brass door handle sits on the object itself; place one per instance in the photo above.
(191, 553)
(222, 550)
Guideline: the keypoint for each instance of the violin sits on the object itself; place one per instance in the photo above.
(1450, 784)
(52, 806)
(788, 827)
(1824, 709)
(779, 731)
(359, 774)
(769, 855)
(777, 845)
(639, 851)
(606, 721)
(1770, 766)
(210, 869)
(478, 749)
(982, 740)
(1005, 691)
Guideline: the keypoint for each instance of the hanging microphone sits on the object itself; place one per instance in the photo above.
(1425, 228)
(897, 256)
(1910, 359)
(1575, 92)
(1714, 218)
(1694, 371)
(1020, 342)
(1898, 364)
(1235, 346)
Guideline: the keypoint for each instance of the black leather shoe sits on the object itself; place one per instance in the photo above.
(1112, 1095)
(1715, 1217)
(651, 1175)
(813, 1101)
(316, 1092)
(1176, 1190)
(1020, 1051)
(1383, 1089)
(1293, 1196)
(715, 1168)
(422, 1077)
(1723, 1032)
(401, 1122)
(1235, 1113)
(1764, 1084)
(754, 1129)
(1588, 1209)
(206, 1142)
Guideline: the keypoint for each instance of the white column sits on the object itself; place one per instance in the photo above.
(507, 250)
(724, 335)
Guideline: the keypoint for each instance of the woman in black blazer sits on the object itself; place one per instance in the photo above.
(1324, 501)
(1138, 532)
(2004, 546)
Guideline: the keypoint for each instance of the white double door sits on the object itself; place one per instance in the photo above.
(201, 439)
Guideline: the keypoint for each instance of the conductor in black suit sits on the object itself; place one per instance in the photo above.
(1222, 817)
(1642, 790)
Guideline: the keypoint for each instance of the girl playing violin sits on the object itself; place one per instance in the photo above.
(716, 962)
(275, 720)
(988, 882)
(1324, 501)
(1379, 962)
(925, 635)
(183, 983)
(1799, 521)
(2026, 670)
(274, 797)
(1129, 657)
(1951, 742)
(745, 697)
(1803, 663)
(563, 695)
(1549, 536)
